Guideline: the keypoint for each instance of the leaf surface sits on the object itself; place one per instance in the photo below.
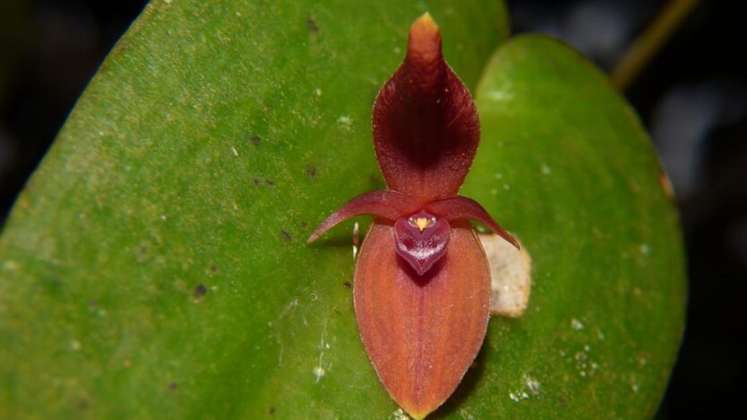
(156, 262)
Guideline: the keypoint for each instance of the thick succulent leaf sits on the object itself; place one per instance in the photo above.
(156, 264)
(566, 166)
(422, 332)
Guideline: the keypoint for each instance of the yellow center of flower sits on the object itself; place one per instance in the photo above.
(422, 223)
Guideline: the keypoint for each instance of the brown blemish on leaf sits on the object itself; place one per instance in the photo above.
(311, 171)
(259, 182)
(286, 235)
(347, 284)
(666, 185)
(200, 291)
(213, 269)
(172, 386)
(83, 404)
(312, 26)
(510, 275)
(255, 139)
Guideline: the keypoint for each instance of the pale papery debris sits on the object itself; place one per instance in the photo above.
(510, 275)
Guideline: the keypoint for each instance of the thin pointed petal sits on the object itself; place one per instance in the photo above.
(422, 332)
(463, 208)
(387, 205)
(426, 127)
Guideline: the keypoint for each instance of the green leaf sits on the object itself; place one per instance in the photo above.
(156, 263)
(565, 164)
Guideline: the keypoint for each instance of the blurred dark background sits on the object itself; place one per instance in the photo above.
(692, 97)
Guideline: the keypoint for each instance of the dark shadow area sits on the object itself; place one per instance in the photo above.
(50, 50)
(420, 280)
(470, 381)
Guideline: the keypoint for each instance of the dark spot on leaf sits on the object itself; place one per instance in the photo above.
(271, 411)
(305, 225)
(311, 171)
(286, 235)
(83, 404)
(200, 290)
(347, 284)
(376, 182)
(213, 269)
(312, 26)
(172, 386)
(255, 139)
(259, 182)
(141, 253)
(50, 284)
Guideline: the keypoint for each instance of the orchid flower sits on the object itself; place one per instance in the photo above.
(422, 281)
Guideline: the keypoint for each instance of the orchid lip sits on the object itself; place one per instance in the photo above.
(421, 240)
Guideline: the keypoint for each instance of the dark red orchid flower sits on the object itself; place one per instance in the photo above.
(422, 282)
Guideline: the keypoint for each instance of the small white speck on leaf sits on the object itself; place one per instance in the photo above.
(532, 384)
(319, 370)
(356, 239)
(546, 169)
(235, 152)
(576, 324)
(11, 265)
(75, 345)
(645, 249)
(319, 373)
(499, 96)
(399, 414)
(634, 387)
(466, 415)
(345, 121)
(518, 396)
(318, 92)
